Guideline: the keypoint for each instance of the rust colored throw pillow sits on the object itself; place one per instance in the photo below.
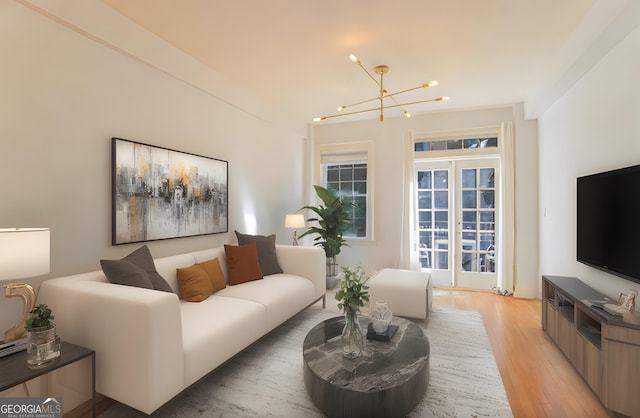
(215, 274)
(243, 264)
(195, 285)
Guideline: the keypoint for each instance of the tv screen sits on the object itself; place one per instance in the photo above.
(608, 221)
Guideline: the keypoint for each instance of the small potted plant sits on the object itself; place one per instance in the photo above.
(352, 295)
(43, 346)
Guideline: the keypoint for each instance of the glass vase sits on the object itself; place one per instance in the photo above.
(381, 316)
(43, 347)
(352, 337)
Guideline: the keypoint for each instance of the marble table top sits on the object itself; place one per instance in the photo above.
(389, 379)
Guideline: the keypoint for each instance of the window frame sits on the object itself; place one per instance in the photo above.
(349, 153)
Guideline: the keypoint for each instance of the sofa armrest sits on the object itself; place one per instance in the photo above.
(309, 262)
(136, 333)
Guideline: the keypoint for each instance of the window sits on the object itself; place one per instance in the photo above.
(455, 144)
(345, 169)
(349, 181)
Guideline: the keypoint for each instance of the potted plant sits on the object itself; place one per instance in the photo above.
(352, 296)
(43, 346)
(332, 218)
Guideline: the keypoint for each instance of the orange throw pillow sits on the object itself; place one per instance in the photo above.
(214, 271)
(243, 264)
(194, 283)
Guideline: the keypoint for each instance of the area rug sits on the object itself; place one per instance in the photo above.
(266, 379)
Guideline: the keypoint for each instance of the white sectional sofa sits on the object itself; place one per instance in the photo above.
(150, 345)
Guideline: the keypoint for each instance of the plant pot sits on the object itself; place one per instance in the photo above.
(332, 272)
(43, 347)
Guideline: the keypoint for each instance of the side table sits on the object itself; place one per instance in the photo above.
(15, 371)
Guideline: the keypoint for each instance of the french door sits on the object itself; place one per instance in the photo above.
(456, 220)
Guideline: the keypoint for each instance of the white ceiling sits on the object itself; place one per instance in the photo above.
(294, 53)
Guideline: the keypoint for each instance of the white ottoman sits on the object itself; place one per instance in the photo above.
(407, 292)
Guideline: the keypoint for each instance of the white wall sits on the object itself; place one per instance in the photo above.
(594, 127)
(64, 93)
(388, 136)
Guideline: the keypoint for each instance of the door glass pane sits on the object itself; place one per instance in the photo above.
(442, 220)
(441, 179)
(424, 199)
(487, 198)
(468, 179)
(424, 180)
(468, 220)
(425, 220)
(469, 199)
(487, 178)
(441, 200)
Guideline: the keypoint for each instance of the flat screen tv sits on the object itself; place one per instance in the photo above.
(608, 222)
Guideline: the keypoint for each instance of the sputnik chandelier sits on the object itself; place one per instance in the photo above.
(381, 70)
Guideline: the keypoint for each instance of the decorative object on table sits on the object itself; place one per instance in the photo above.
(385, 336)
(43, 345)
(294, 221)
(159, 193)
(381, 70)
(25, 253)
(626, 303)
(332, 219)
(352, 296)
(381, 316)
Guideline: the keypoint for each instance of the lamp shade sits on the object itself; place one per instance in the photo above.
(294, 221)
(24, 252)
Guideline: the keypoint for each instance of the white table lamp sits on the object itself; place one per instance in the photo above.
(294, 221)
(24, 252)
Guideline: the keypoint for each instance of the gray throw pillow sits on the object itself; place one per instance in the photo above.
(126, 273)
(266, 251)
(142, 259)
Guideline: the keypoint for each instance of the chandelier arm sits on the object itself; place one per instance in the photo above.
(349, 113)
(437, 99)
(368, 73)
(359, 103)
(424, 86)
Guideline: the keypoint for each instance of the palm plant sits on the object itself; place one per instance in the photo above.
(332, 218)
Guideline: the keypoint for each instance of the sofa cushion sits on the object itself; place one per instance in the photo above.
(282, 295)
(214, 273)
(195, 285)
(242, 262)
(229, 326)
(266, 251)
(121, 271)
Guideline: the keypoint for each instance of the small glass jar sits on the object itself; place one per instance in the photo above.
(43, 347)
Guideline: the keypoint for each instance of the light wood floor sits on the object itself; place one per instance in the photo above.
(538, 379)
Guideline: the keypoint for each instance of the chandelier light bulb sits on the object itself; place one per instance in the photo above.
(407, 114)
(340, 108)
(354, 59)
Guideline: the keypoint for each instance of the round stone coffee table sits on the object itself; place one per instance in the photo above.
(388, 380)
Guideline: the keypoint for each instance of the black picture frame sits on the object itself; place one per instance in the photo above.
(160, 193)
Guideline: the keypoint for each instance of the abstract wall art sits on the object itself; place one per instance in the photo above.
(159, 193)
